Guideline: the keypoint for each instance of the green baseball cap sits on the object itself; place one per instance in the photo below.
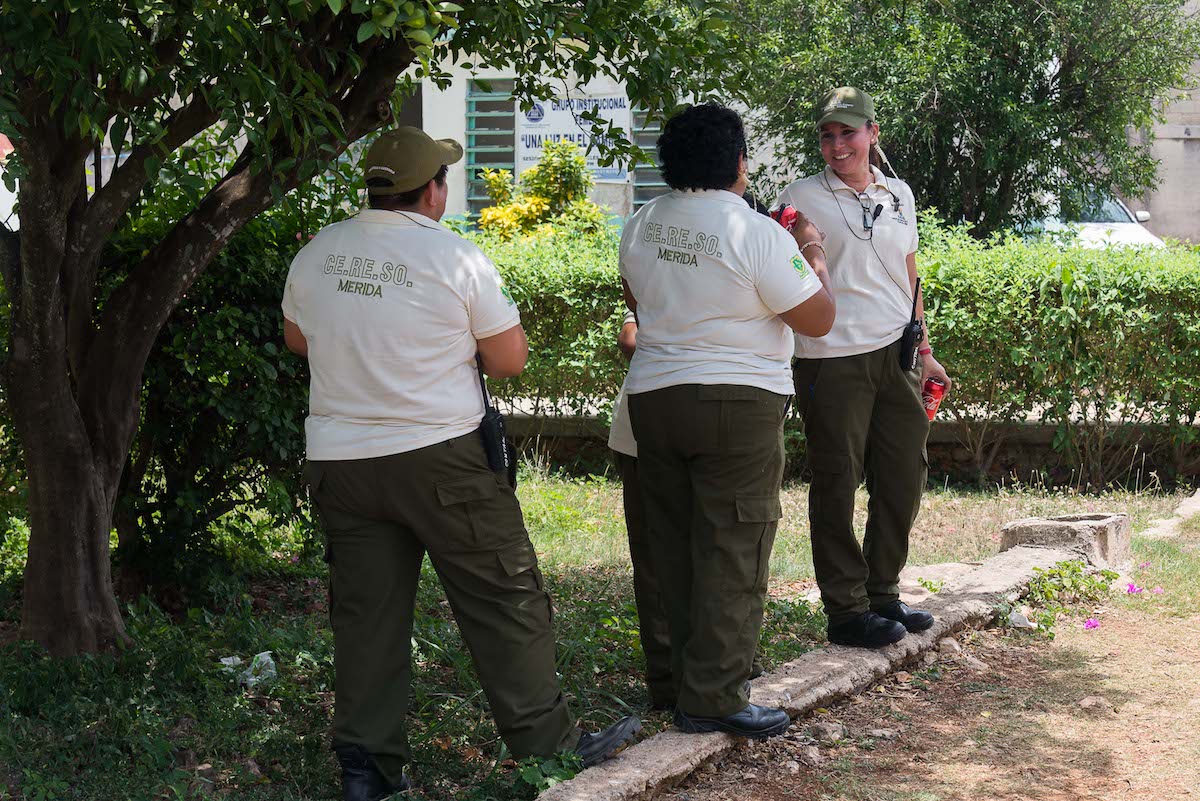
(846, 105)
(406, 158)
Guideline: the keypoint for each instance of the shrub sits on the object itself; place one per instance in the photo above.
(221, 436)
(553, 195)
(1100, 344)
(568, 289)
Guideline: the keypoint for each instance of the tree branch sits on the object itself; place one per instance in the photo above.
(105, 210)
(111, 203)
(136, 312)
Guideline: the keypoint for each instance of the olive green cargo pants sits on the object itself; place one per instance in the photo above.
(710, 462)
(863, 415)
(652, 613)
(381, 516)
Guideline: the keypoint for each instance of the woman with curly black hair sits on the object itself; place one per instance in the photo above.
(718, 290)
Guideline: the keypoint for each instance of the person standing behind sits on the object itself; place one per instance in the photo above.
(862, 408)
(715, 287)
(647, 592)
(391, 310)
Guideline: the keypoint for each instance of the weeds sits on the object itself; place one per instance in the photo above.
(542, 774)
(1061, 591)
(930, 585)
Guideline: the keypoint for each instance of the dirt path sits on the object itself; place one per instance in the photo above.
(1015, 730)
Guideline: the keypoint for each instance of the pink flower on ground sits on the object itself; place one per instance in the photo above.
(1144, 565)
(1157, 590)
(1133, 589)
(299, 236)
(1091, 623)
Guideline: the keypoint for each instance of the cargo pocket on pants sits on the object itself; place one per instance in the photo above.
(764, 510)
(467, 495)
(519, 559)
(827, 469)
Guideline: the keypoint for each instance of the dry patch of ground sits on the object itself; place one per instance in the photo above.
(1106, 714)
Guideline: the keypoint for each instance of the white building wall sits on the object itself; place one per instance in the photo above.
(444, 114)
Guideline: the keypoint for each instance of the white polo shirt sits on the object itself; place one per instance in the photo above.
(710, 277)
(392, 304)
(620, 433)
(868, 276)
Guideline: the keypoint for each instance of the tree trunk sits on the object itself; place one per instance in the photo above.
(69, 606)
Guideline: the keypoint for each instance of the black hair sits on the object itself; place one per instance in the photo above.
(755, 203)
(409, 198)
(699, 147)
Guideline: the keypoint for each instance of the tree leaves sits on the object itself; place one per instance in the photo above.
(989, 111)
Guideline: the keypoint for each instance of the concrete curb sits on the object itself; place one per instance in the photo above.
(816, 679)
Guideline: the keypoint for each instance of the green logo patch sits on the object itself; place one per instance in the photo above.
(799, 264)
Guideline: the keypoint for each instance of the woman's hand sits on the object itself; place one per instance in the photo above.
(932, 368)
(806, 230)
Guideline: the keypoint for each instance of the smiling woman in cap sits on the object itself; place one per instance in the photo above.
(857, 387)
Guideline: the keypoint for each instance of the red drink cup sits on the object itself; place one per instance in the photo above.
(932, 394)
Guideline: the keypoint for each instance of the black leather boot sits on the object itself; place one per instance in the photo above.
(905, 615)
(868, 630)
(361, 778)
(758, 722)
(595, 748)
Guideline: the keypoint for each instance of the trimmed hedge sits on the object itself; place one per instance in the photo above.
(568, 289)
(1102, 344)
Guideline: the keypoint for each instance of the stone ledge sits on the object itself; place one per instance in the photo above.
(816, 679)
(1103, 539)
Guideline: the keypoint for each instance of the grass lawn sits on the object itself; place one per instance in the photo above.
(162, 720)
(577, 523)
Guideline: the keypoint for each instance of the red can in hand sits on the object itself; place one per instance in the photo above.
(932, 394)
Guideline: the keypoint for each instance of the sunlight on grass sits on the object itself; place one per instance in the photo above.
(575, 522)
(1168, 572)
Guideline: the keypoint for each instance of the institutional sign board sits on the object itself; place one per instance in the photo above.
(558, 119)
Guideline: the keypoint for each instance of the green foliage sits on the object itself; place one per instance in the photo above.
(542, 774)
(931, 585)
(221, 439)
(1094, 342)
(790, 626)
(1068, 584)
(136, 51)
(1061, 590)
(988, 110)
(14, 543)
(553, 196)
(569, 293)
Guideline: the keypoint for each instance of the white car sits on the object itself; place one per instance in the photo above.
(1105, 222)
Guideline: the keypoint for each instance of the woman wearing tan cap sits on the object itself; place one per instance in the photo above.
(859, 387)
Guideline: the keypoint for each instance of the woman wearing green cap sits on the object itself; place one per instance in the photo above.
(856, 387)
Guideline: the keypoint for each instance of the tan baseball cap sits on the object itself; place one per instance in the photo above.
(846, 105)
(406, 158)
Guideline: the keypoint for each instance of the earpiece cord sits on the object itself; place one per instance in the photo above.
(411, 219)
(870, 237)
